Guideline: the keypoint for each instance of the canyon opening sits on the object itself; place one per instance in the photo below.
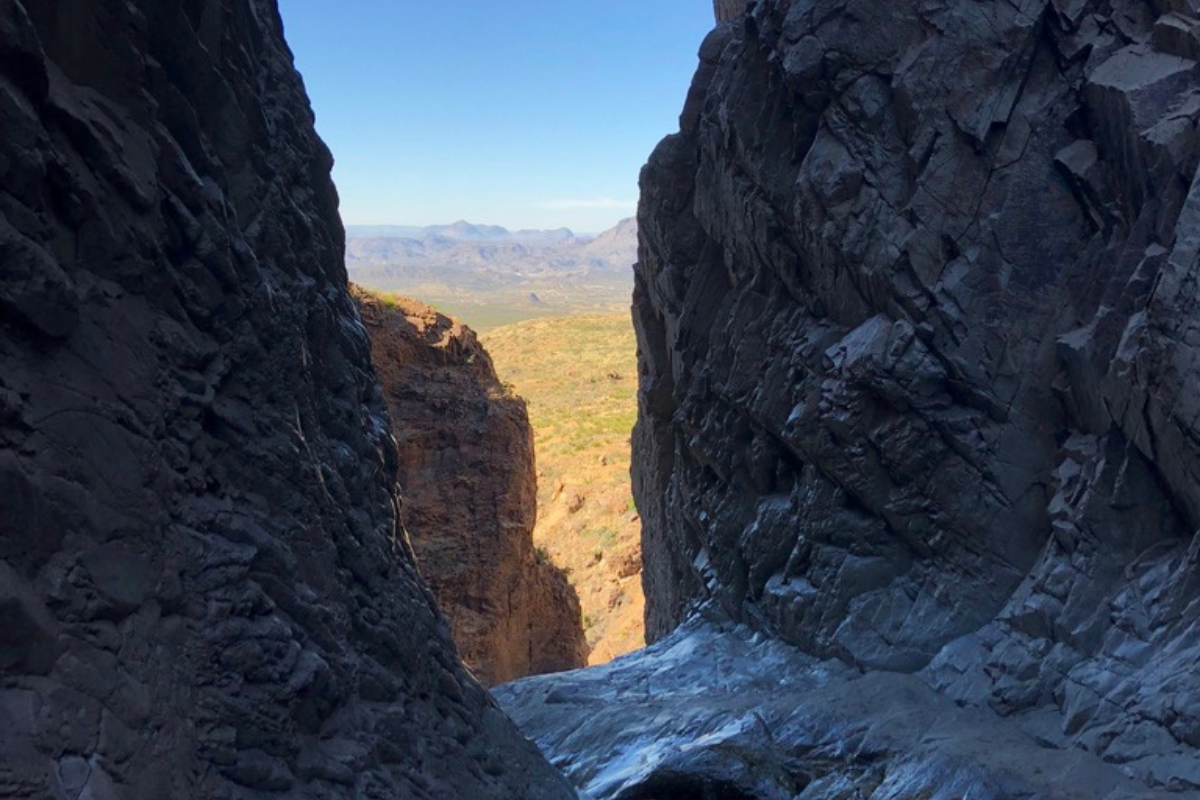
(843, 354)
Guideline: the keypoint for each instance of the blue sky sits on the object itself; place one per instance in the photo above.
(527, 113)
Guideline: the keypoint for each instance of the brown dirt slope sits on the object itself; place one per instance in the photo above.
(469, 493)
(579, 376)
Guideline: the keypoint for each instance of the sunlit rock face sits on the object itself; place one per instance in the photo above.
(469, 489)
(203, 590)
(916, 304)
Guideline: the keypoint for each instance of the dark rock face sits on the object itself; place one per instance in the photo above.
(470, 494)
(917, 313)
(724, 10)
(203, 589)
(720, 711)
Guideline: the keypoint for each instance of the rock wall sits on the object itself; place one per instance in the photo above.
(470, 494)
(716, 710)
(728, 9)
(203, 587)
(918, 326)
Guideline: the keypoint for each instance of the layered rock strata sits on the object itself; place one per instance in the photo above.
(204, 588)
(470, 494)
(917, 315)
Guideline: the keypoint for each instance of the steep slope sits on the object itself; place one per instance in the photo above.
(470, 494)
(579, 376)
(917, 321)
(203, 586)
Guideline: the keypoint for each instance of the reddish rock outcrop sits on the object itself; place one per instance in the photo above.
(470, 494)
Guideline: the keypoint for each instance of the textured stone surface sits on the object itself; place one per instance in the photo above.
(719, 712)
(917, 312)
(470, 494)
(728, 9)
(203, 588)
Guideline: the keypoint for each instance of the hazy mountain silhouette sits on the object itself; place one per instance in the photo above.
(486, 265)
(461, 231)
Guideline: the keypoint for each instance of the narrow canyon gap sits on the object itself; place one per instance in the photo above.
(469, 494)
(917, 453)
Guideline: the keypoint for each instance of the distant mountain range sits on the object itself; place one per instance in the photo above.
(461, 231)
(464, 267)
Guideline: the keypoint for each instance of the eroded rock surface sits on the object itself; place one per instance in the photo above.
(719, 711)
(204, 592)
(470, 494)
(918, 325)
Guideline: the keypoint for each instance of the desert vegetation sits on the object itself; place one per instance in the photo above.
(578, 375)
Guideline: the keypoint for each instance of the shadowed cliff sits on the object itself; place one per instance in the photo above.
(917, 325)
(203, 585)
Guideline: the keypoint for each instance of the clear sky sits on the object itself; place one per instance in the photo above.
(525, 113)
